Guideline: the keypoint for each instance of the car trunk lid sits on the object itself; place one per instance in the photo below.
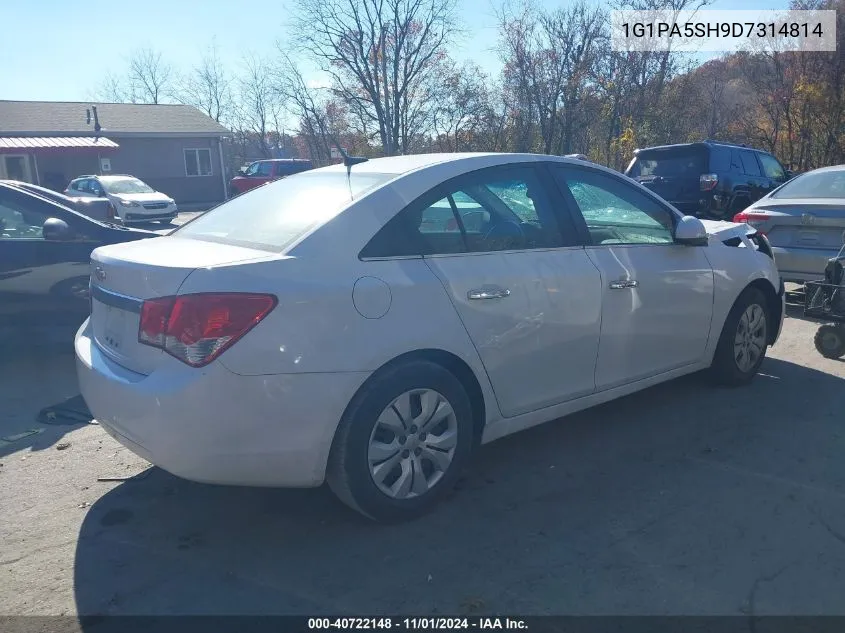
(124, 275)
(810, 224)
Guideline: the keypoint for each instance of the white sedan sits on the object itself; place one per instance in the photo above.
(373, 327)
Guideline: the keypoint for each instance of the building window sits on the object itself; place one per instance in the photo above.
(198, 162)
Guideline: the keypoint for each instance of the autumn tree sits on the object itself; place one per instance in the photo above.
(378, 54)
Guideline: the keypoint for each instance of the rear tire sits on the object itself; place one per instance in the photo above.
(402, 442)
(743, 342)
(830, 341)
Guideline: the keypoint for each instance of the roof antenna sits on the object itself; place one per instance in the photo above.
(348, 162)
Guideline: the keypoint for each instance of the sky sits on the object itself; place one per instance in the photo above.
(60, 50)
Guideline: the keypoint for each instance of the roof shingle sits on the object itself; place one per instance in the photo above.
(58, 117)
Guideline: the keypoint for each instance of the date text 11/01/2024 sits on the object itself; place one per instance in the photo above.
(417, 624)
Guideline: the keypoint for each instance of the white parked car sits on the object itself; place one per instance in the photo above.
(132, 199)
(357, 329)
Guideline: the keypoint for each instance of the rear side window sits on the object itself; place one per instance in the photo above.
(274, 216)
(492, 210)
(681, 162)
(720, 159)
(749, 163)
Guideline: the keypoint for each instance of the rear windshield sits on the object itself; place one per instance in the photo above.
(820, 184)
(273, 216)
(673, 163)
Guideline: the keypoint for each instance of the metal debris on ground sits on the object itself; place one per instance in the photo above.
(19, 436)
(71, 411)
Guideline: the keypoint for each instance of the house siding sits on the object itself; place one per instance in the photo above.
(160, 162)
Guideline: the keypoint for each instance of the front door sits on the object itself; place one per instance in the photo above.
(526, 292)
(657, 296)
(43, 283)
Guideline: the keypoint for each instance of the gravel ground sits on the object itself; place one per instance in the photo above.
(683, 499)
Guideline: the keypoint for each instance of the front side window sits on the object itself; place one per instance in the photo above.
(496, 209)
(282, 211)
(252, 170)
(265, 170)
(772, 168)
(616, 212)
(19, 220)
(198, 162)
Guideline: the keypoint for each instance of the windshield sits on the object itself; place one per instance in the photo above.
(273, 216)
(819, 184)
(675, 163)
(126, 185)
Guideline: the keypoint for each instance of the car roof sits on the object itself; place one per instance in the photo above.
(398, 165)
(697, 144)
(282, 160)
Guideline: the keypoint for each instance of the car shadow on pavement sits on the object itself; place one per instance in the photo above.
(672, 500)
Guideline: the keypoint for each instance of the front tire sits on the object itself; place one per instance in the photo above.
(742, 344)
(402, 442)
(830, 341)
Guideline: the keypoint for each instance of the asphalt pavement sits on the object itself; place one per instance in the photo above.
(683, 499)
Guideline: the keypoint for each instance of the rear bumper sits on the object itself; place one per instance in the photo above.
(214, 426)
(799, 265)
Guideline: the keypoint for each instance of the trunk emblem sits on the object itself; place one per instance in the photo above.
(100, 273)
(808, 218)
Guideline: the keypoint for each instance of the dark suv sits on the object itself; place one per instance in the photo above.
(707, 179)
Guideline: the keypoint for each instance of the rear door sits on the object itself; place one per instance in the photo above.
(525, 290)
(657, 296)
(758, 184)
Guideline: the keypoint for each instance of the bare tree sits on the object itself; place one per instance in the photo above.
(260, 103)
(461, 107)
(378, 53)
(149, 77)
(113, 89)
(209, 87)
(309, 107)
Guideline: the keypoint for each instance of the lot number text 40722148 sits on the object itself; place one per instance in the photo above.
(431, 623)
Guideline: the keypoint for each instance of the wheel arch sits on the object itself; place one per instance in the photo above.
(773, 302)
(452, 363)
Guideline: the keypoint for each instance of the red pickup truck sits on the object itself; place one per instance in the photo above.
(262, 171)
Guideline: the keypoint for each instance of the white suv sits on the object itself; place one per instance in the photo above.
(132, 199)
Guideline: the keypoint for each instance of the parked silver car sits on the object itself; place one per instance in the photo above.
(804, 220)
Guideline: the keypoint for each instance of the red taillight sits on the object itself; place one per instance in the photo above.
(752, 219)
(708, 182)
(197, 328)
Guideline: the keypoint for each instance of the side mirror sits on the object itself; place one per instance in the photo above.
(790, 174)
(56, 230)
(691, 232)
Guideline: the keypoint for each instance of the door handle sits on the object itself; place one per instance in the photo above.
(488, 292)
(623, 283)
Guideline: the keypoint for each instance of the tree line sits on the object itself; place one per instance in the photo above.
(393, 88)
